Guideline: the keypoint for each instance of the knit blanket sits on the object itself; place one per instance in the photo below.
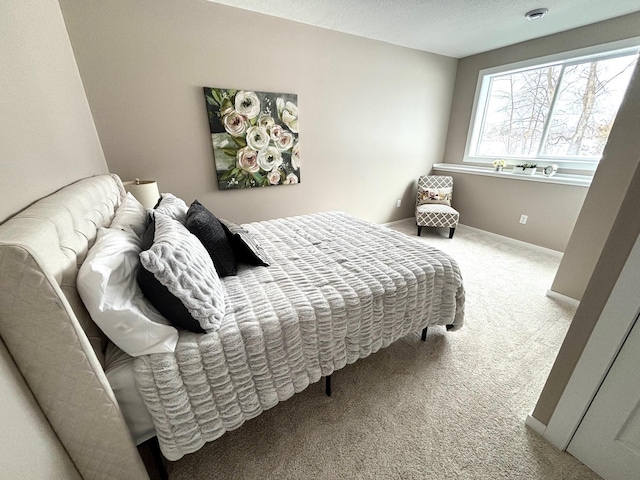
(338, 289)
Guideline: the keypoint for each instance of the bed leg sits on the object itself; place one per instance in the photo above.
(327, 380)
(424, 334)
(154, 447)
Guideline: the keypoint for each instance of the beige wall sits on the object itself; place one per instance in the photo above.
(602, 204)
(610, 183)
(47, 140)
(373, 116)
(47, 135)
(542, 207)
(618, 245)
(494, 204)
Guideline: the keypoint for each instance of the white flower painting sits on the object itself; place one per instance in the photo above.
(254, 137)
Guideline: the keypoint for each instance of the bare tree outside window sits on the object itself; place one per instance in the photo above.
(557, 111)
(517, 110)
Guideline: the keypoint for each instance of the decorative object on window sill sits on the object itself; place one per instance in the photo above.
(145, 191)
(499, 164)
(525, 169)
(550, 170)
(254, 137)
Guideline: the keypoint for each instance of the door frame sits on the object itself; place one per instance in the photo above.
(616, 320)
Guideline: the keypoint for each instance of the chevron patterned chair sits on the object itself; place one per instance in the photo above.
(433, 203)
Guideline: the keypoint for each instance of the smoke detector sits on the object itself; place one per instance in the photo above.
(536, 14)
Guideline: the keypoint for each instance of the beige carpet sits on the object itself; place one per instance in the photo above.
(451, 407)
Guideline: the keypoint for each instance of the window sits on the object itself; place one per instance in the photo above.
(557, 112)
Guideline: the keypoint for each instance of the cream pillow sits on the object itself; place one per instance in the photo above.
(108, 287)
(435, 195)
(131, 215)
(180, 262)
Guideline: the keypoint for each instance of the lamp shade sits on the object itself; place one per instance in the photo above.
(145, 191)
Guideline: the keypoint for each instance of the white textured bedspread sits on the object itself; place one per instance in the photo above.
(338, 289)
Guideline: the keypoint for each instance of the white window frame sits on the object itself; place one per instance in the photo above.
(601, 52)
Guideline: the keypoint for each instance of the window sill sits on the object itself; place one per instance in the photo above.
(558, 178)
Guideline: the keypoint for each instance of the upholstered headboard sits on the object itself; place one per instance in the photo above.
(47, 330)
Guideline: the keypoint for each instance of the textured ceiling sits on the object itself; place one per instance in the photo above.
(456, 28)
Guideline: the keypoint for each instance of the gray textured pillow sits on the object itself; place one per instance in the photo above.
(172, 206)
(245, 247)
(179, 262)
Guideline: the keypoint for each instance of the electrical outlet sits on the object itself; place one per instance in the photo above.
(523, 219)
(398, 203)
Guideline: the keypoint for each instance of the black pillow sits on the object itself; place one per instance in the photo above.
(245, 246)
(159, 296)
(204, 225)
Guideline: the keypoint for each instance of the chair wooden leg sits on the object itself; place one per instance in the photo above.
(451, 230)
(419, 230)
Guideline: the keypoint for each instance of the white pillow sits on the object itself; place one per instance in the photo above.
(131, 215)
(108, 287)
(179, 261)
(173, 206)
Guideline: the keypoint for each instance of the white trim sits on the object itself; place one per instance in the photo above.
(482, 87)
(548, 251)
(535, 425)
(614, 324)
(395, 222)
(512, 160)
(570, 55)
(563, 298)
(545, 250)
(560, 178)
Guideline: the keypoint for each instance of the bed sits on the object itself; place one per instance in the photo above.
(337, 289)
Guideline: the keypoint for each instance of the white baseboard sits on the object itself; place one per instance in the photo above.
(535, 425)
(548, 251)
(395, 222)
(563, 298)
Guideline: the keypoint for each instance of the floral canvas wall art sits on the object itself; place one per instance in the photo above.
(254, 137)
